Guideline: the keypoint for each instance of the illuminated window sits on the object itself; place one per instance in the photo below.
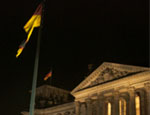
(122, 106)
(108, 108)
(137, 104)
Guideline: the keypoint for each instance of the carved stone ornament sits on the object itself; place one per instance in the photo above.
(109, 74)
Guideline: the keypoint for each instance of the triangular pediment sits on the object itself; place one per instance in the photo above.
(108, 72)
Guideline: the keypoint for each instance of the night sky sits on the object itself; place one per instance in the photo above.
(75, 33)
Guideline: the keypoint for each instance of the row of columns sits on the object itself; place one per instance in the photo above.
(100, 103)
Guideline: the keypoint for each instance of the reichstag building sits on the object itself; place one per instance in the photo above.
(111, 89)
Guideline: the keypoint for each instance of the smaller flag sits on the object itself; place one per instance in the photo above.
(48, 75)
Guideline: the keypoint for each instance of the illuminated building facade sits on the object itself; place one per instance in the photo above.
(111, 89)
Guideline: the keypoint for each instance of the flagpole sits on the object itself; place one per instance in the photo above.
(35, 72)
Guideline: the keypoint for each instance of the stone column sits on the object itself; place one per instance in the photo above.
(89, 108)
(142, 101)
(116, 103)
(97, 107)
(83, 109)
(77, 107)
(101, 104)
(147, 88)
(131, 92)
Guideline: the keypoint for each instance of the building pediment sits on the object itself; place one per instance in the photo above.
(108, 72)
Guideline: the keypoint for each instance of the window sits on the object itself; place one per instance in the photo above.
(108, 108)
(137, 104)
(122, 106)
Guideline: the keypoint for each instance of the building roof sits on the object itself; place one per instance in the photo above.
(48, 96)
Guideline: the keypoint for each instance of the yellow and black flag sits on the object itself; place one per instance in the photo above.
(33, 22)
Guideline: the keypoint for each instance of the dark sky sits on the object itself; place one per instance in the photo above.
(75, 33)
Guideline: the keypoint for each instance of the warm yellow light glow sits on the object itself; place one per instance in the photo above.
(109, 108)
(137, 104)
(122, 107)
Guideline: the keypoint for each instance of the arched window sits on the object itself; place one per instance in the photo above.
(122, 106)
(108, 108)
(137, 104)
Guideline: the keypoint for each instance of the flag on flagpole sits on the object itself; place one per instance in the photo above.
(21, 47)
(33, 22)
(48, 75)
